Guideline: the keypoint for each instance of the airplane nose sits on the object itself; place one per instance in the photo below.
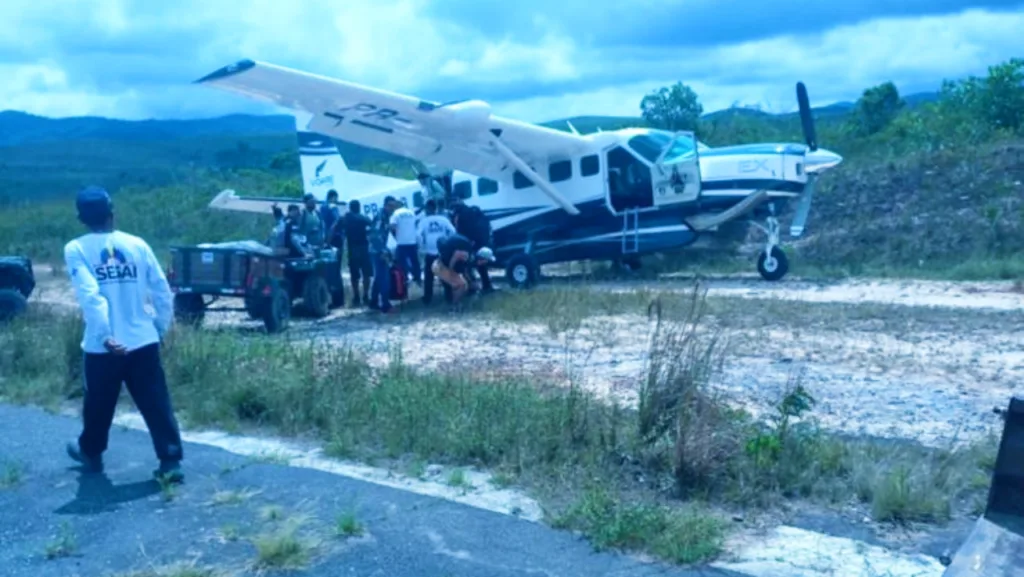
(821, 159)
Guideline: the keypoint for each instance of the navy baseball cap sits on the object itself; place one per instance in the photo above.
(94, 205)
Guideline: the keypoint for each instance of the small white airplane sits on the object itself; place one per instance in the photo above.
(606, 195)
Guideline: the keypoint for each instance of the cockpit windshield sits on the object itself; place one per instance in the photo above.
(651, 145)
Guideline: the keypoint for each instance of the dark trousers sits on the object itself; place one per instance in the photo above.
(142, 373)
(428, 278)
(338, 242)
(360, 265)
(380, 295)
(408, 258)
(485, 278)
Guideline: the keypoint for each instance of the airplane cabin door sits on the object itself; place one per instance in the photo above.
(677, 179)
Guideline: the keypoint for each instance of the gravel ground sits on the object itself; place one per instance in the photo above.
(909, 359)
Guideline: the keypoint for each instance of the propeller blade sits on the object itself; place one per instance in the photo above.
(796, 227)
(806, 117)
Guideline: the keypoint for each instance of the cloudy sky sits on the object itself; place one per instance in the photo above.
(533, 59)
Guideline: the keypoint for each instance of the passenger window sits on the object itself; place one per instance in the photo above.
(463, 190)
(559, 171)
(519, 180)
(417, 199)
(589, 165)
(486, 186)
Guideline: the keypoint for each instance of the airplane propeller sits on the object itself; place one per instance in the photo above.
(806, 117)
(796, 228)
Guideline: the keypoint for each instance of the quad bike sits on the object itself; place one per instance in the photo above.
(17, 281)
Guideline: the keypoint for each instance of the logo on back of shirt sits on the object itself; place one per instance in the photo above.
(114, 266)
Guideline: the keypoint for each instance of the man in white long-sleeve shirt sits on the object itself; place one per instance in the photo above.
(113, 273)
(432, 228)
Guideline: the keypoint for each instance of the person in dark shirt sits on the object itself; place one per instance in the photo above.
(382, 257)
(355, 226)
(296, 248)
(453, 259)
(472, 223)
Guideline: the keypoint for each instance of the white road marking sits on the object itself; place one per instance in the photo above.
(476, 491)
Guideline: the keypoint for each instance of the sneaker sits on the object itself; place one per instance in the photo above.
(90, 464)
(169, 472)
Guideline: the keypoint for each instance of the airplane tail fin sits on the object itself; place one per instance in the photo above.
(322, 166)
(324, 169)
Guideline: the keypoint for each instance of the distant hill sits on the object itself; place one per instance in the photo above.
(20, 128)
(44, 157)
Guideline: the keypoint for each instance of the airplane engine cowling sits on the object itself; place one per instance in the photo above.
(470, 116)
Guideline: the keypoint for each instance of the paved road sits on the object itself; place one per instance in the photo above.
(121, 521)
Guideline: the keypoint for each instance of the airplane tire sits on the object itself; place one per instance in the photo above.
(521, 272)
(189, 308)
(776, 268)
(316, 296)
(12, 304)
(277, 311)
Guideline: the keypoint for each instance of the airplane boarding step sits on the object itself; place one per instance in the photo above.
(631, 231)
(995, 548)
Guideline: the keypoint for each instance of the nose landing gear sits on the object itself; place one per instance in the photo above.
(772, 264)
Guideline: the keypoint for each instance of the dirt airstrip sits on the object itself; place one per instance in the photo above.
(910, 359)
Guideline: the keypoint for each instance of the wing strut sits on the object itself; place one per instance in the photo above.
(703, 222)
(528, 172)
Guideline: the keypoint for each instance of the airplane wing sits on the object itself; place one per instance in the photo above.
(459, 135)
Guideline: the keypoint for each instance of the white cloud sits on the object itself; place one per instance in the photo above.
(394, 44)
(836, 66)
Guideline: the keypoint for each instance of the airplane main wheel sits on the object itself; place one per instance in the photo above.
(521, 272)
(773, 266)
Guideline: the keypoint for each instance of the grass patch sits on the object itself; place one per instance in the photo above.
(10, 475)
(682, 535)
(283, 548)
(671, 466)
(65, 544)
(184, 569)
(272, 513)
(348, 525)
(233, 497)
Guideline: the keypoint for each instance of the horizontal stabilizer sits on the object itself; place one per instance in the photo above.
(995, 548)
(708, 221)
(229, 200)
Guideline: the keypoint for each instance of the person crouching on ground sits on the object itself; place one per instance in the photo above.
(453, 259)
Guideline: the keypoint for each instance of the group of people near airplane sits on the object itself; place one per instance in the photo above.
(384, 252)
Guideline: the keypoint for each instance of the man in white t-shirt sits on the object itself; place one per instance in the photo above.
(403, 226)
(114, 273)
(432, 228)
